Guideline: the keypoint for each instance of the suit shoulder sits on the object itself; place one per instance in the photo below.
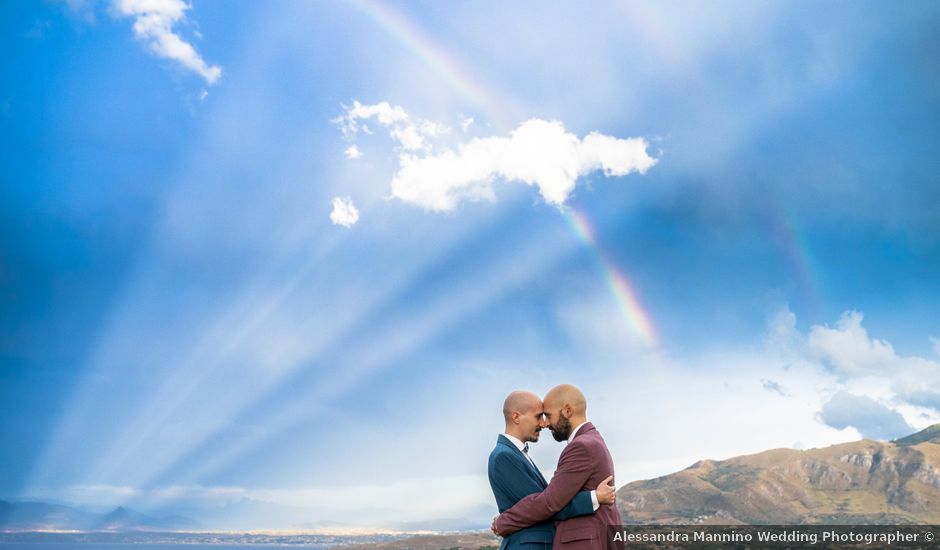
(500, 455)
(499, 449)
(590, 441)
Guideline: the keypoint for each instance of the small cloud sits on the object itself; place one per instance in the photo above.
(344, 212)
(847, 350)
(100, 493)
(465, 123)
(153, 25)
(782, 335)
(198, 493)
(353, 152)
(383, 112)
(204, 94)
(84, 9)
(871, 418)
(774, 387)
(411, 134)
(38, 31)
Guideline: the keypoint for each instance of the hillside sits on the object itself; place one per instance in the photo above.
(860, 482)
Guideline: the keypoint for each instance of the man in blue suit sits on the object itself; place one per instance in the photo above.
(513, 475)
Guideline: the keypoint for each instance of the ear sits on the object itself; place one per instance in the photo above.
(515, 417)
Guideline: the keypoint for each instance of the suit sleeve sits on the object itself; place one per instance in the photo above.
(574, 469)
(507, 468)
(580, 505)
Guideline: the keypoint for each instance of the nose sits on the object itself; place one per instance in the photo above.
(543, 423)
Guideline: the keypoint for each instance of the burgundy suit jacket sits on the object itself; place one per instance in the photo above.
(582, 466)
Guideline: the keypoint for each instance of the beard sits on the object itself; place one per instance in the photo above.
(561, 430)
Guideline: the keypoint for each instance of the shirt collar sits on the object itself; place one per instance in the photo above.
(515, 441)
(575, 431)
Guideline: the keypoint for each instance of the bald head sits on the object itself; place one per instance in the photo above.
(523, 413)
(566, 395)
(565, 409)
(520, 402)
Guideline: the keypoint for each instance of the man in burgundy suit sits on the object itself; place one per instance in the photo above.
(583, 464)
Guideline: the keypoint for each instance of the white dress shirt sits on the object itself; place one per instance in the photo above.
(521, 446)
(575, 431)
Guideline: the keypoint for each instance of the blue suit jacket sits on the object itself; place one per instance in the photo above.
(513, 477)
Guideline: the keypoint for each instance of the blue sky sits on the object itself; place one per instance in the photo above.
(299, 252)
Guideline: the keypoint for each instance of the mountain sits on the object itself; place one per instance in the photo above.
(860, 482)
(480, 540)
(125, 519)
(41, 516)
(443, 525)
(31, 516)
(929, 435)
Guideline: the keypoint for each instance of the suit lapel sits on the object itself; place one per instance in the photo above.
(502, 439)
(538, 473)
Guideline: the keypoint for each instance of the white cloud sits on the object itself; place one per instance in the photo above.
(153, 25)
(383, 112)
(873, 389)
(343, 503)
(410, 134)
(93, 494)
(738, 401)
(453, 497)
(465, 123)
(353, 152)
(344, 212)
(213, 495)
(409, 137)
(782, 336)
(848, 350)
(539, 152)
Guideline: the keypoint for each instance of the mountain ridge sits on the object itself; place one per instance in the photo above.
(42, 516)
(863, 481)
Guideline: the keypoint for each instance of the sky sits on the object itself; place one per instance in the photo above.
(297, 253)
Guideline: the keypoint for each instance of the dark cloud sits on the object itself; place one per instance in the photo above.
(872, 419)
(922, 397)
(774, 387)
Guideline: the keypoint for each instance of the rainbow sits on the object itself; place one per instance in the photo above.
(433, 56)
(437, 59)
(797, 252)
(617, 283)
